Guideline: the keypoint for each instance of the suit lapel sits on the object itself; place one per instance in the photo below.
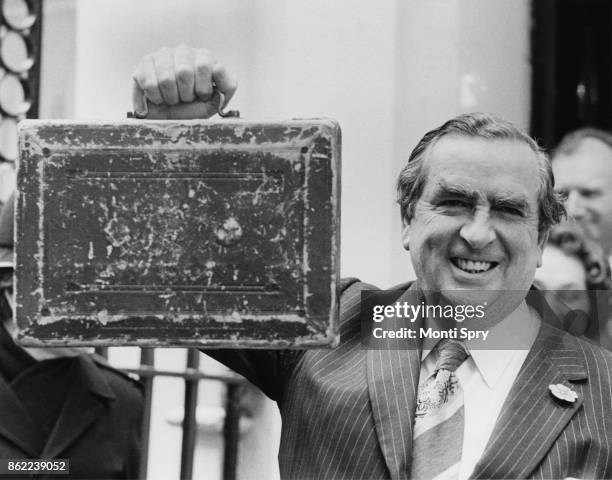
(16, 424)
(532, 418)
(393, 376)
(86, 399)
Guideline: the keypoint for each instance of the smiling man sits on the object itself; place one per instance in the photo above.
(474, 224)
(477, 201)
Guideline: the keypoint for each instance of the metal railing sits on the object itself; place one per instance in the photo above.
(191, 376)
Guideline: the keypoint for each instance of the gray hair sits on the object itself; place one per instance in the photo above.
(571, 141)
(480, 125)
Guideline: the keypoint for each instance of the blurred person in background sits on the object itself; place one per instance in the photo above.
(582, 165)
(62, 403)
(576, 269)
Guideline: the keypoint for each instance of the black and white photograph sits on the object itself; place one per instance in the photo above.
(307, 239)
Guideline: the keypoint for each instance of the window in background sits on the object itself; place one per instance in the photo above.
(571, 54)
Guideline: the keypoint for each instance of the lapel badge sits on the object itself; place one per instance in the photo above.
(564, 393)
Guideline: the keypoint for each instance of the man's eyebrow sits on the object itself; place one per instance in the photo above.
(497, 199)
(509, 200)
(444, 188)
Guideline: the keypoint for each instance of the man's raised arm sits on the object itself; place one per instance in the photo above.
(186, 83)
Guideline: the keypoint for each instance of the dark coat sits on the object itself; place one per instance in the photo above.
(97, 429)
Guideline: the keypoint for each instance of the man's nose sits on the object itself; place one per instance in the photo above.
(478, 232)
(575, 205)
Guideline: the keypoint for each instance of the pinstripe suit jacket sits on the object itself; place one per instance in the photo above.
(348, 412)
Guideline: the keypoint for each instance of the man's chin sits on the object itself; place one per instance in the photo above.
(496, 303)
(467, 283)
(462, 295)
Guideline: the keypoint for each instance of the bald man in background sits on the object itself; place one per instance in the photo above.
(582, 165)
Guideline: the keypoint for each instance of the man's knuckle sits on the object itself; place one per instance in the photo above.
(203, 90)
(203, 68)
(184, 74)
(149, 87)
(166, 81)
(218, 69)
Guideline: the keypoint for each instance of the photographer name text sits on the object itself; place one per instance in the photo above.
(462, 333)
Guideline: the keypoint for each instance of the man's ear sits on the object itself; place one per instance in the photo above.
(541, 244)
(406, 233)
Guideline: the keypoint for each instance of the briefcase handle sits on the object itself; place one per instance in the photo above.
(181, 111)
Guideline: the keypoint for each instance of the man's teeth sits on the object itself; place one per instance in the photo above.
(472, 266)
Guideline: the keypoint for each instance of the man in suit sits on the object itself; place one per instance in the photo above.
(62, 403)
(477, 201)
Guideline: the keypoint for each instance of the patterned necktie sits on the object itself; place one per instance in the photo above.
(438, 427)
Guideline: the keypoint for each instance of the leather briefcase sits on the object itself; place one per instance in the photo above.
(166, 233)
